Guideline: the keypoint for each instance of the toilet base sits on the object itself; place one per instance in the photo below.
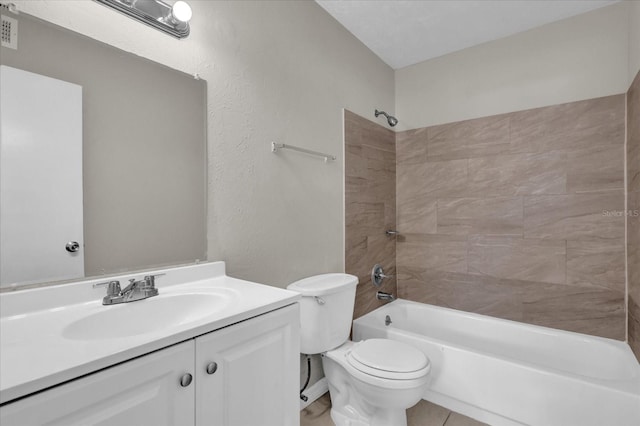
(381, 418)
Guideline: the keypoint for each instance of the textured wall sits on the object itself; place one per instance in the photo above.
(578, 58)
(518, 216)
(275, 70)
(633, 213)
(370, 206)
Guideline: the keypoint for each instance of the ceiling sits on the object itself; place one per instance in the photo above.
(405, 32)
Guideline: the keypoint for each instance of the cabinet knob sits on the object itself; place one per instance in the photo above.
(185, 380)
(212, 367)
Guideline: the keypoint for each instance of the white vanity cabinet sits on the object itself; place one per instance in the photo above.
(245, 374)
(248, 374)
(143, 391)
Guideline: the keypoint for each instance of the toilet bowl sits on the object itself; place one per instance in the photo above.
(374, 393)
(372, 382)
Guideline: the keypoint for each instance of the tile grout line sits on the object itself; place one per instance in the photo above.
(447, 419)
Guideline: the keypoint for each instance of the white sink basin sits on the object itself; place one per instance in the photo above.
(145, 316)
(50, 335)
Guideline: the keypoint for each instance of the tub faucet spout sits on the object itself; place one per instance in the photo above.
(381, 295)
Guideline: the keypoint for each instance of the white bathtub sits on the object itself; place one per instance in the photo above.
(508, 373)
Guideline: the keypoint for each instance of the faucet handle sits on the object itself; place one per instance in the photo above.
(113, 288)
(150, 280)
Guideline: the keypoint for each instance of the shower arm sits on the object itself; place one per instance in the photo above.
(391, 120)
(377, 113)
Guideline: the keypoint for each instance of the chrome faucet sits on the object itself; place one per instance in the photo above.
(136, 290)
(381, 295)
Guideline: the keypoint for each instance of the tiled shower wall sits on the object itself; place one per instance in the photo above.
(633, 208)
(518, 216)
(370, 206)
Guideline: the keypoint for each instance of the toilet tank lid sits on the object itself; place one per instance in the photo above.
(320, 285)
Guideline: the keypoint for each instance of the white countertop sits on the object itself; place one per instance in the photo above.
(37, 350)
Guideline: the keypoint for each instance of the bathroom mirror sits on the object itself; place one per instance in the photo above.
(142, 160)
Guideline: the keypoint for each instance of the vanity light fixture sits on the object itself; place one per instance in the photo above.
(171, 19)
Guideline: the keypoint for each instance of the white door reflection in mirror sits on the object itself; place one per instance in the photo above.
(40, 178)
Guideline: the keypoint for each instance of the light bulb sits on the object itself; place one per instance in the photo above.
(181, 11)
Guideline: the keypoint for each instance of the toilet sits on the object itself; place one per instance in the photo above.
(372, 382)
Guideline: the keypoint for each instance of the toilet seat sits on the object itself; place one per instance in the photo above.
(388, 359)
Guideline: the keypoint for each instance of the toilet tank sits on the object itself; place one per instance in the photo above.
(326, 310)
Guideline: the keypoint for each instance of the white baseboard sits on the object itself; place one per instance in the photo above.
(314, 392)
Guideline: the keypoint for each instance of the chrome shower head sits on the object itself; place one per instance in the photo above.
(390, 118)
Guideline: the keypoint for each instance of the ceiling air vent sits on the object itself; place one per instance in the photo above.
(9, 32)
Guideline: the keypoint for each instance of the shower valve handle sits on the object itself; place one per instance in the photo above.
(377, 275)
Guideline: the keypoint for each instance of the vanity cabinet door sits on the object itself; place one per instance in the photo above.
(143, 391)
(248, 374)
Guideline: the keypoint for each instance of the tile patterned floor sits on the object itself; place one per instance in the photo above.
(423, 414)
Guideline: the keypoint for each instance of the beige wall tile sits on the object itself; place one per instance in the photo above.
(467, 139)
(361, 130)
(381, 249)
(465, 292)
(366, 296)
(594, 311)
(519, 216)
(574, 125)
(411, 146)
(390, 216)
(576, 216)
(529, 190)
(595, 168)
(377, 137)
(584, 310)
(633, 161)
(633, 217)
(596, 263)
(356, 249)
(377, 249)
(353, 166)
(517, 258)
(495, 216)
(380, 158)
(368, 189)
(633, 262)
(448, 141)
(587, 123)
(519, 174)
(417, 216)
(432, 179)
(433, 251)
(489, 136)
(633, 243)
(527, 131)
(370, 206)
(365, 218)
